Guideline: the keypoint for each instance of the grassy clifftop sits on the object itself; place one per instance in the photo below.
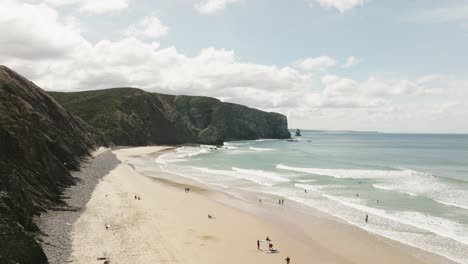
(101, 108)
(130, 116)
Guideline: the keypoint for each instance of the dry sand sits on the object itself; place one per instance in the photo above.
(56, 224)
(169, 225)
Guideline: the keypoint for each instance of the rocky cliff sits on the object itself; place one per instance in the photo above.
(39, 143)
(130, 116)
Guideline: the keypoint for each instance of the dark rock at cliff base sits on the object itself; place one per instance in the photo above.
(40, 142)
(133, 117)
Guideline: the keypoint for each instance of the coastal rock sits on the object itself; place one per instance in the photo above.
(40, 142)
(133, 117)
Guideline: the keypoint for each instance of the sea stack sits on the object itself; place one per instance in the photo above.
(298, 132)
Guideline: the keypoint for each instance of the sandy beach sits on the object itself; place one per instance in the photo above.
(168, 225)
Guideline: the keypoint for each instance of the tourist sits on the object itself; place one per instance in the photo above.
(287, 260)
(268, 239)
(367, 218)
(258, 244)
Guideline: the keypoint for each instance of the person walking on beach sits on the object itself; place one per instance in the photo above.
(367, 218)
(287, 260)
(258, 244)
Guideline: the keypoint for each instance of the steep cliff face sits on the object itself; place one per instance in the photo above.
(39, 143)
(212, 121)
(130, 116)
(246, 123)
(127, 116)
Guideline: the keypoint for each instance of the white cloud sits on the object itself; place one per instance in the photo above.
(429, 79)
(317, 63)
(350, 62)
(50, 49)
(376, 88)
(343, 92)
(444, 14)
(213, 6)
(149, 27)
(341, 5)
(73, 63)
(32, 32)
(93, 6)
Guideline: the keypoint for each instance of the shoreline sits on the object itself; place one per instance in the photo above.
(56, 225)
(299, 217)
(178, 231)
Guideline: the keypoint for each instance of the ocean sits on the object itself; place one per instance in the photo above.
(413, 187)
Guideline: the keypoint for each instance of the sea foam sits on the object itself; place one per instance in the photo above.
(265, 178)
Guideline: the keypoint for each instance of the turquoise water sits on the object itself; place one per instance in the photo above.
(414, 187)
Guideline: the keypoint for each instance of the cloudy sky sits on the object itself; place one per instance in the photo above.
(390, 66)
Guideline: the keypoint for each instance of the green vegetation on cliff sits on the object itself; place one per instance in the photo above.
(99, 108)
(129, 116)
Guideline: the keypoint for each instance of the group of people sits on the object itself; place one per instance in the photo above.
(270, 248)
(137, 197)
(187, 189)
(280, 201)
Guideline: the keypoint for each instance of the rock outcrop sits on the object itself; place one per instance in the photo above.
(130, 116)
(40, 142)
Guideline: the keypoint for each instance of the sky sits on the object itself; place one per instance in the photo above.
(366, 65)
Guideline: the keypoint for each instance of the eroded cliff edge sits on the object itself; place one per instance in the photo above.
(133, 117)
